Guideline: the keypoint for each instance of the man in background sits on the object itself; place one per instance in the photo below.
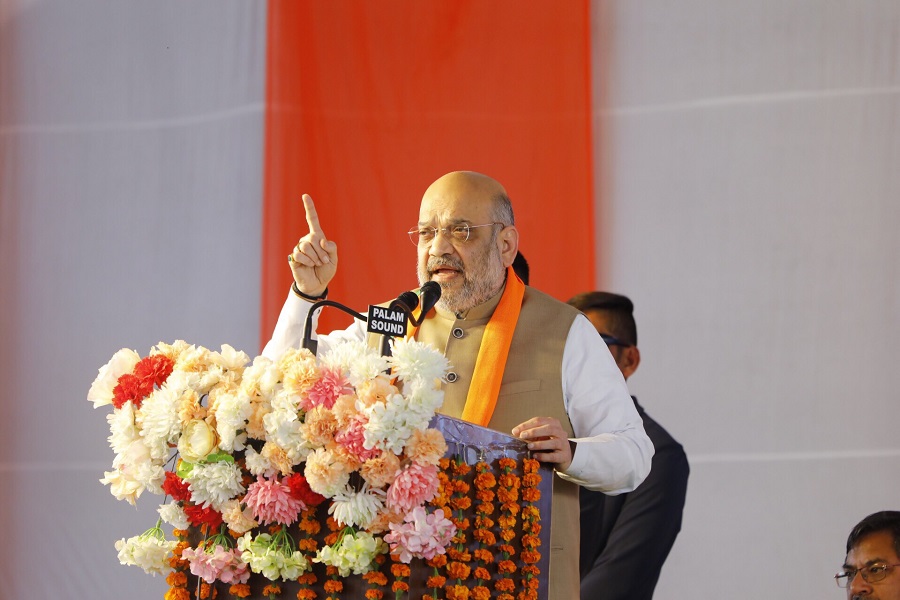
(872, 566)
(625, 539)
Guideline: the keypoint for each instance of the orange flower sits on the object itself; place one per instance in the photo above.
(506, 463)
(531, 494)
(506, 597)
(531, 570)
(482, 522)
(507, 535)
(530, 541)
(461, 502)
(307, 578)
(507, 549)
(482, 573)
(444, 464)
(461, 469)
(435, 581)
(272, 590)
(400, 570)
(458, 570)
(511, 507)
(531, 480)
(530, 557)
(438, 561)
(459, 555)
(506, 567)
(206, 591)
(177, 594)
(400, 586)
(484, 555)
(334, 586)
(506, 521)
(306, 594)
(307, 545)
(485, 495)
(507, 496)
(372, 594)
(485, 537)
(457, 592)
(461, 487)
(504, 585)
(176, 579)
(375, 578)
(485, 481)
(239, 590)
(510, 481)
(479, 592)
(530, 465)
(531, 512)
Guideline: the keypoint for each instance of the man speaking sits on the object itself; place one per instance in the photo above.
(522, 362)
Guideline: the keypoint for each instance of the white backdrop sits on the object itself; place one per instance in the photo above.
(753, 182)
(750, 154)
(131, 138)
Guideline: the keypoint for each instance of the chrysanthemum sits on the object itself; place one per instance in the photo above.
(415, 485)
(149, 552)
(214, 483)
(421, 535)
(357, 508)
(330, 386)
(271, 502)
(415, 361)
(173, 514)
(232, 412)
(325, 473)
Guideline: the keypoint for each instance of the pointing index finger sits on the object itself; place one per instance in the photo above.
(312, 218)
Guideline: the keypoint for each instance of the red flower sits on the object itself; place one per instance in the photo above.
(176, 487)
(198, 516)
(154, 370)
(130, 387)
(301, 491)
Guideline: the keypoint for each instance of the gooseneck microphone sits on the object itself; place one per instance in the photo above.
(429, 293)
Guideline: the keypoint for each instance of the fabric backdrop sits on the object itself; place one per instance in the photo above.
(730, 166)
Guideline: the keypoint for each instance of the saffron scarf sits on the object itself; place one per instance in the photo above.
(491, 361)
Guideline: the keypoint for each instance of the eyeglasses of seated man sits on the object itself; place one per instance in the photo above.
(870, 570)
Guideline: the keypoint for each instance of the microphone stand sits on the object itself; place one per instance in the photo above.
(313, 345)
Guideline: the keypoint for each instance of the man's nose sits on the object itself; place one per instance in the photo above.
(858, 586)
(441, 244)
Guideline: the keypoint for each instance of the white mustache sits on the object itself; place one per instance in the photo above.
(434, 265)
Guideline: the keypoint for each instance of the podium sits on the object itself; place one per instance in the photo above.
(497, 496)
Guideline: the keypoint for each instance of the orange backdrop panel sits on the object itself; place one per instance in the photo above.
(369, 102)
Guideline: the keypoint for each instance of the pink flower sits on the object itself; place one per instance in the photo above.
(352, 438)
(271, 502)
(224, 565)
(324, 392)
(421, 535)
(415, 485)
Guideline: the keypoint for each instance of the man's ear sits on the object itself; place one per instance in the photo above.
(508, 244)
(629, 360)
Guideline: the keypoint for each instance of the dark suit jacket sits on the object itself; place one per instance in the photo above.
(626, 538)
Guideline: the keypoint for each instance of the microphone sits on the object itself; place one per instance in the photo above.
(406, 302)
(430, 293)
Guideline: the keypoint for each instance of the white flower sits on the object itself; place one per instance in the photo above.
(122, 428)
(257, 464)
(148, 552)
(215, 483)
(232, 412)
(390, 424)
(416, 361)
(271, 559)
(159, 422)
(355, 359)
(229, 359)
(283, 423)
(357, 509)
(122, 362)
(198, 440)
(353, 554)
(325, 474)
(133, 472)
(173, 514)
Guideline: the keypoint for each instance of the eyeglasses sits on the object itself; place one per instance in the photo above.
(870, 574)
(457, 233)
(613, 341)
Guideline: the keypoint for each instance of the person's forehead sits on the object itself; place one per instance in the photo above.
(875, 547)
(456, 206)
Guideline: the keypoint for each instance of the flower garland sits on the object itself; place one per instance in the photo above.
(508, 495)
(485, 482)
(531, 529)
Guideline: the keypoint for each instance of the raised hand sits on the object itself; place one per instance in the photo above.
(314, 258)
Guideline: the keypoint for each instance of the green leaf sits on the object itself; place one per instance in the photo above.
(219, 457)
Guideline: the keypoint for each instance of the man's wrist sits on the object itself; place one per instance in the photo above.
(307, 297)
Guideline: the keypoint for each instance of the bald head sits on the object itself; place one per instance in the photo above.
(474, 191)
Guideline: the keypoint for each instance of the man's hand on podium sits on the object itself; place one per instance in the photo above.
(314, 258)
(547, 440)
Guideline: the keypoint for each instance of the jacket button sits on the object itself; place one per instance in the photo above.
(458, 332)
(451, 377)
